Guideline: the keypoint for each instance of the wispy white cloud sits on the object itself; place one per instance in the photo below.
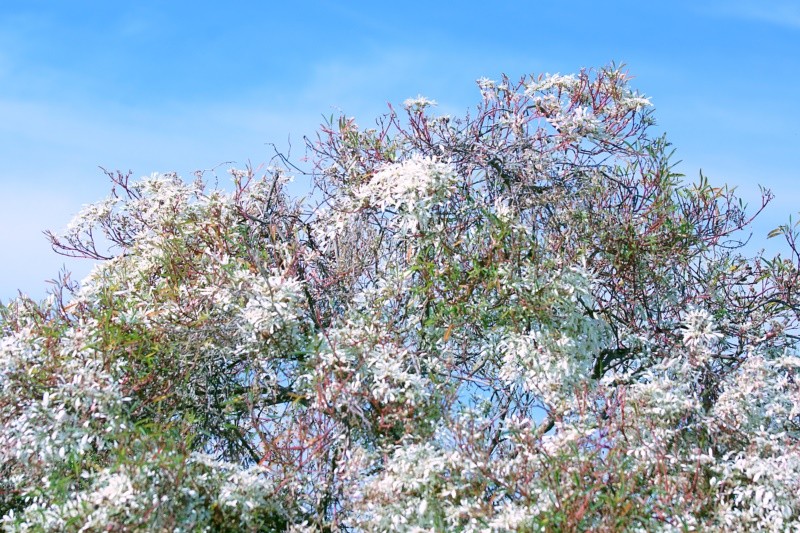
(50, 149)
(785, 13)
(50, 153)
(28, 260)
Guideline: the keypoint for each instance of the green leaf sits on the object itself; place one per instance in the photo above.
(775, 232)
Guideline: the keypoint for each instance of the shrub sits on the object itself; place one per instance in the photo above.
(520, 320)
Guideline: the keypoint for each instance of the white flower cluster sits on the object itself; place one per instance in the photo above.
(486, 87)
(76, 414)
(565, 102)
(410, 188)
(699, 331)
(554, 359)
(115, 499)
(272, 301)
(91, 215)
(411, 185)
(550, 82)
(419, 103)
(580, 122)
(177, 290)
(357, 367)
(759, 493)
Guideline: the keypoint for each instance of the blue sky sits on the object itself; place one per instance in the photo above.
(180, 86)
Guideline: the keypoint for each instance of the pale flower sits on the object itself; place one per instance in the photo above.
(551, 81)
(419, 103)
(698, 329)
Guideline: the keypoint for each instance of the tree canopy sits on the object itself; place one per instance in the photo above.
(518, 320)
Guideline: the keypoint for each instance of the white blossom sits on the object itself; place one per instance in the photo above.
(419, 103)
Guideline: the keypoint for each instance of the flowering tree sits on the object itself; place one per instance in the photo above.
(521, 320)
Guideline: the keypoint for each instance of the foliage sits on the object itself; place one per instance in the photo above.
(520, 320)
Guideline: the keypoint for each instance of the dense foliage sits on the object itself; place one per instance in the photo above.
(520, 320)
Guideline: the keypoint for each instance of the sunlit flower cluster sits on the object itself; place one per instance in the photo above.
(553, 360)
(410, 189)
(698, 332)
